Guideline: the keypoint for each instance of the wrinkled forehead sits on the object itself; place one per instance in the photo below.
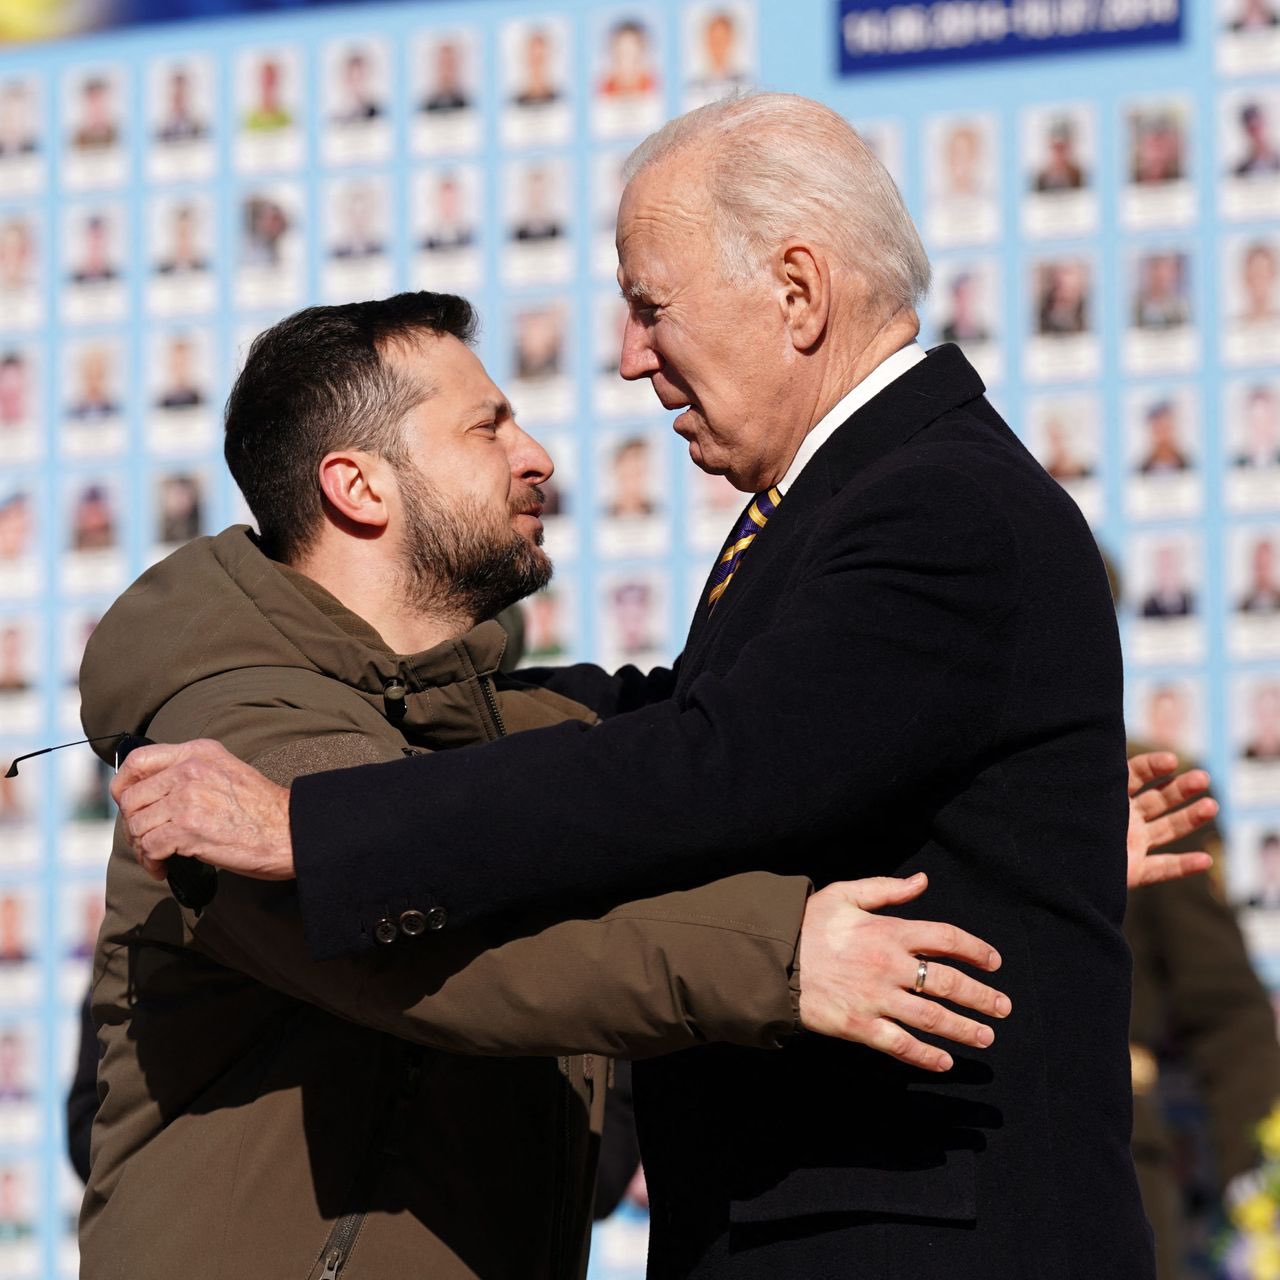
(665, 211)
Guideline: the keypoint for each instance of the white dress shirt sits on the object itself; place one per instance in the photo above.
(884, 373)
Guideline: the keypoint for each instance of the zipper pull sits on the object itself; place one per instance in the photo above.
(331, 1266)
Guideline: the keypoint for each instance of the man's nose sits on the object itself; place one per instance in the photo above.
(530, 462)
(638, 360)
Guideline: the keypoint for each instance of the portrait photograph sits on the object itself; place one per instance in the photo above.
(93, 289)
(21, 422)
(1059, 164)
(81, 908)
(1253, 591)
(966, 306)
(1253, 870)
(1064, 432)
(271, 249)
(181, 238)
(713, 510)
(20, 924)
(1249, 147)
(87, 811)
(20, 1078)
(1063, 342)
(1160, 332)
(445, 93)
(627, 86)
(21, 304)
(1157, 189)
(19, 1247)
(94, 154)
(1248, 41)
(93, 560)
(633, 618)
(962, 165)
(1251, 420)
(536, 103)
(611, 395)
(549, 626)
(93, 411)
(606, 194)
(269, 94)
(21, 712)
(632, 485)
(1169, 715)
(718, 51)
(357, 239)
(1163, 451)
(561, 518)
(20, 575)
(446, 207)
(180, 119)
(23, 131)
(1255, 738)
(537, 197)
(539, 382)
(1251, 299)
(182, 411)
(358, 87)
(180, 506)
(1164, 577)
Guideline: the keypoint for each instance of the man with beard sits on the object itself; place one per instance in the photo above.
(267, 1115)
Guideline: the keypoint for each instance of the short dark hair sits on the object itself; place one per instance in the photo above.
(315, 382)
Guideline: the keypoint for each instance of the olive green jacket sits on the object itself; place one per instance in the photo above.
(267, 1115)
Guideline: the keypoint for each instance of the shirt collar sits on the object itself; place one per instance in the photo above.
(884, 373)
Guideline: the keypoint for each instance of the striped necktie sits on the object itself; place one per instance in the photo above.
(763, 505)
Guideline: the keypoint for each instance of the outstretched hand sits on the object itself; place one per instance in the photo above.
(199, 800)
(858, 974)
(1159, 815)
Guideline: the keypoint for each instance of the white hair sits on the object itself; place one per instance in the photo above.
(778, 165)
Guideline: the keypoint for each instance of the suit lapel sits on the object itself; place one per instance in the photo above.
(937, 384)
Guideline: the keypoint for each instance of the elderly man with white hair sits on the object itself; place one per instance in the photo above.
(904, 659)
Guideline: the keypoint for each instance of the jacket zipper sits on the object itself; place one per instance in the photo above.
(486, 683)
(339, 1243)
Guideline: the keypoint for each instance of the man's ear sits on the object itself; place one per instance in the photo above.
(354, 485)
(806, 294)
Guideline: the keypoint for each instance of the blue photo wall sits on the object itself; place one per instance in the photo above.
(1099, 188)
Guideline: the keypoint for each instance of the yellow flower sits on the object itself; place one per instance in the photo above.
(1265, 1259)
(1269, 1134)
(1256, 1215)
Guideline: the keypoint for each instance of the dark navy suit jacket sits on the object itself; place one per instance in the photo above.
(915, 668)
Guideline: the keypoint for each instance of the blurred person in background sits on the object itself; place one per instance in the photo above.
(964, 321)
(537, 218)
(265, 226)
(1263, 742)
(1062, 459)
(1063, 303)
(17, 526)
(722, 72)
(95, 261)
(180, 510)
(1161, 300)
(17, 255)
(631, 481)
(539, 353)
(180, 389)
(14, 677)
(964, 162)
(1265, 883)
(1255, 15)
(185, 254)
(358, 232)
(452, 227)
(93, 521)
(92, 398)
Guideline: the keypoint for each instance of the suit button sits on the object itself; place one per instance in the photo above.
(413, 924)
(385, 931)
(437, 918)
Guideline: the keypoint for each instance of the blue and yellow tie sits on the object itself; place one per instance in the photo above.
(763, 505)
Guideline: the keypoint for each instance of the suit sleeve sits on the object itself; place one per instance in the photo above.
(607, 694)
(717, 963)
(879, 680)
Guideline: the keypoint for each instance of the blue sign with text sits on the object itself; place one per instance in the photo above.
(877, 35)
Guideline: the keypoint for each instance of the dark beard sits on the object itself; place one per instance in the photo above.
(460, 562)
